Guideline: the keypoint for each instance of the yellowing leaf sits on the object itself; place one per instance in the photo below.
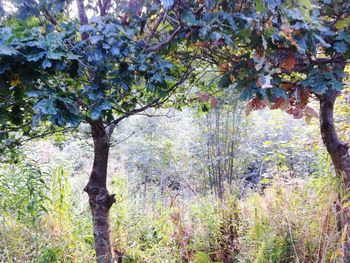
(345, 197)
(306, 3)
(343, 23)
(306, 7)
(267, 143)
(345, 233)
(15, 81)
(308, 119)
(310, 112)
(286, 32)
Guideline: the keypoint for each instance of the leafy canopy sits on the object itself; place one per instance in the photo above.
(276, 53)
(131, 55)
(58, 68)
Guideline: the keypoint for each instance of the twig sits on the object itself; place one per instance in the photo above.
(123, 140)
(292, 240)
(165, 42)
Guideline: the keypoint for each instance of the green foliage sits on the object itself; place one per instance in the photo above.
(60, 193)
(110, 66)
(51, 71)
(35, 228)
(23, 190)
(290, 217)
(277, 54)
(270, 50)
(319, 82)
(202, 257)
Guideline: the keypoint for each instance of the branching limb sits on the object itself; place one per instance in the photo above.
(160, 45)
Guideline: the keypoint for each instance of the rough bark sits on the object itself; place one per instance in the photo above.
(339, 153)
(337, 149)
(99, 199)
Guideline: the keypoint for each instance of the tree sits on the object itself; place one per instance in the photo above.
(223, 131)
(57, 71)
(281, 55)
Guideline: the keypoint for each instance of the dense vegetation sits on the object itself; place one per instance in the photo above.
(182, 170)
(279, 206)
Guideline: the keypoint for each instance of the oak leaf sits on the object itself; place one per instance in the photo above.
(223, 67)
(289, 62)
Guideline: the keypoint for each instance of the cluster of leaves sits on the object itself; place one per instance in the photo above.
(24, 192)
(278, 53)
(71, 72)
(56, 68)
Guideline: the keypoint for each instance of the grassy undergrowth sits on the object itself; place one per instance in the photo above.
(291, 220)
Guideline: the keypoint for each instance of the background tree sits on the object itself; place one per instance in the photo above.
(223, 129)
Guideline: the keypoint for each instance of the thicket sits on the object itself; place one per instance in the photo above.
(280, 205)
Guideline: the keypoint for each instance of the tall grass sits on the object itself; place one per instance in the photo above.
(292, 220)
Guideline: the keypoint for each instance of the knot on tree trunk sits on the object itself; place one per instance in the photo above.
(105, 199)
(100, 197)
(343, 148)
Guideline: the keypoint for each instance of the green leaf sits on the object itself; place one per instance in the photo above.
(202, 257)
(225, 80)
(336, 84)
(7, 50)
(95, 39)
(259, 5)
(46, 106)
(95, 115)
(55, 55)
(46, 64)
(86, 28)
(319, 89)
(72, 56)
(189, 18)
(36, 57)
(115, 50)
(167, 3)
(341, 47)
(106, 105)
(306, 3)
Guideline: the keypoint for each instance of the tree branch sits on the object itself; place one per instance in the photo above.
(165, 42)
(124, 139)
(156, 102)
(155, 27)
(104, 6)
(50, 17)
(82, 16)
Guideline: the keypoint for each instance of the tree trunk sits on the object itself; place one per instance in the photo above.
(99, 199)
(338, 151)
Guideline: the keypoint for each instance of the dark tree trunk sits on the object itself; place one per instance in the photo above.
(337, 149)
(339, 153)
(99, 199)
